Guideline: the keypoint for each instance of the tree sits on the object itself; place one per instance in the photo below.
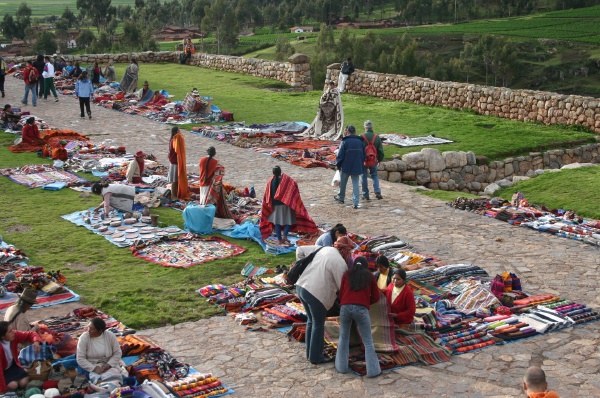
(132, 36)
(9, 27)
(124, 12)
(61, 31)
(283, 48)
(85, 38)
(484, 49)
(68, 16)
(23, 20)
(46, 43)
(344, 45)
(220, 18)
(99, 11)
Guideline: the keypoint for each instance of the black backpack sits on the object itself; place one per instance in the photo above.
(299, 266)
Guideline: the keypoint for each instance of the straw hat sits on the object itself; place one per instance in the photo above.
(29, 295)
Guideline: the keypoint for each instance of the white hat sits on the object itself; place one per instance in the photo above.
(37, 396)
(368, 124)
(51, 393)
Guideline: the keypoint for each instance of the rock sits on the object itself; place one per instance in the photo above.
(408, 175)
(491, 189)
(517, 179)
(539, 172)
(576, 165)
(401, 165)
(433, 159)
(389, 166)
(394, 176)
(455, 159)
(471, 158)
(383, 175)
(504, 183)
(481, 160)
(414, 160)
(422, 177)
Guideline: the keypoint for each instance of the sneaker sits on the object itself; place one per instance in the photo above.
(24, 103)
(338, 199)
(56, 99)
(378, 196)
(34, 104)
(366, 197)
(90, 115)
(82, 116)
(358, 206)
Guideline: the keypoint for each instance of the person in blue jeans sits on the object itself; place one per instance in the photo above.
(350, 160)
(357, 292)
(84, 90)
(29, 85)
(372, 170)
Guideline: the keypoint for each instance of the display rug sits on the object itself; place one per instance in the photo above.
(187, 250)
(35, 176)
(406, 141)
(43, 299)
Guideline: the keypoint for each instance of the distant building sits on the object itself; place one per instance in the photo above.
(73, 35)
(176, 33)
(301, 29)
(381, 24)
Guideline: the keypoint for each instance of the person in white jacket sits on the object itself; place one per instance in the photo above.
(48, 75)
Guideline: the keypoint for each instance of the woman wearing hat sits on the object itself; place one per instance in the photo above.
(135, 170)
(15, 315)
(13, 375)
(211, 184)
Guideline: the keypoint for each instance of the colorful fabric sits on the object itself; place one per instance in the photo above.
(39, 179)
(43, 299)
(289, 194)
(211, 186)
(427, 351)
(186, 250)
(178, 143)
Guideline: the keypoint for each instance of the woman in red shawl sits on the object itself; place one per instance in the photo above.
(177, 168)
(13, 375)
(282, 206)
(135, 170)
(401, 298)
(31, 133)
(211, 184)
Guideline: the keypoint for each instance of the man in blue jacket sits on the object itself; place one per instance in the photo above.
(350, 159)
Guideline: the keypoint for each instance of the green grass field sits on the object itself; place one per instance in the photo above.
(40, 8)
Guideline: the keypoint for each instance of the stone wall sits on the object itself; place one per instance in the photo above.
(521, 105)
(295, 72)
(463, 171)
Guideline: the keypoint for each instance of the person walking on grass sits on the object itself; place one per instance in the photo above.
(49, 79)
(350, 159)
(373, 155)
(84, 90)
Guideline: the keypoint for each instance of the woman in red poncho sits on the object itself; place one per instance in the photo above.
(177, 166)
(211, 184)
(31, 133)
(13, 375)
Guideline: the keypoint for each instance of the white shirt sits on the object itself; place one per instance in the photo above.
(7, 352)
(323, 277)
(396, 292)
(48, 70)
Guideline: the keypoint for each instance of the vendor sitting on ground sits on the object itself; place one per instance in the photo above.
(60, 152)
(68, 70)
(31, 132)
(15, 315)
(144, 94)
(98, 350)
(383, 275)
(116, 196)
(401, 299)
(10, 118)
(135, 170)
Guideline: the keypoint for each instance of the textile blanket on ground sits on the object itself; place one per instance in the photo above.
(43, 299)
(38, 179)
(186, 250)
(50, 137)
(405, 141)
(118, 231)
(250, 230)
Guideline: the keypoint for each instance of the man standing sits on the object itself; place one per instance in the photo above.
(373, 155)
(2, 75)
(347, 70)
(30, 77)
(350, 160)
(49, 79)
(535, 384)
(177, 166)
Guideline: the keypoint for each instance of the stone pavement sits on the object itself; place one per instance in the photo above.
(266, 364)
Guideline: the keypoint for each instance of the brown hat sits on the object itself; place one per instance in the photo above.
(29, 295)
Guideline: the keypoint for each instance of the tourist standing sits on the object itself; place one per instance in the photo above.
(177, 166)
(84, 90)
(2, 75)
(345, 72)
(350, 159)
(38, 64)
(373, 155)
(30, 77)
(358, 291)
(49, 79)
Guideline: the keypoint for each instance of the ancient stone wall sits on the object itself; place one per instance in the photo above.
(521, 105)
(295, 72)
(463, 171)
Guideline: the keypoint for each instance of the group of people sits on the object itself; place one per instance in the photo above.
(98, 350)
(188, 49)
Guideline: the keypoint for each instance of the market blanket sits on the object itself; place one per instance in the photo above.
(43, 299)
(404, 141)
(39, 179)
(186, 250)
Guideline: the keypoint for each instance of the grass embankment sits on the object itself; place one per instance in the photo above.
(40, 8)
(143, 294)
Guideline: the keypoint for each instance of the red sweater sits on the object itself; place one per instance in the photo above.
(364, 297)
(404, 305)
(20, 337)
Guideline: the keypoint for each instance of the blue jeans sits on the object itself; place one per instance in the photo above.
(315, 325)
(286, 231)
(370, 171)
(344, 182)
(28, 88)
(360, 315)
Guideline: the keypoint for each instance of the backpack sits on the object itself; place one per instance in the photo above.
(370, 151)
(296, 271)
(33, 76)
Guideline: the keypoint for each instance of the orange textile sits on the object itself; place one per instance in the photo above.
(311, 144)
(207, 171)
(182, 180)
(60, 154)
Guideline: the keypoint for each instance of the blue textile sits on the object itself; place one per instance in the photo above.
(100, 173)
(351, 155)
(199, 218)
(360, 315)
(250, 230)
(55, 186)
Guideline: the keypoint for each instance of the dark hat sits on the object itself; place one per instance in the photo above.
(331, 82)
(351, 129)
(29, 295)
(140, 154)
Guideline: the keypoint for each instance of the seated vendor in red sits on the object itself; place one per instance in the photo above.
(60, 153)
(135, 170)
(31, 132)
(401, 298)
(13, 375)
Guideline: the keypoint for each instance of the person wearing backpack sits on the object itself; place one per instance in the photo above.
(373, 155)
(30, 77)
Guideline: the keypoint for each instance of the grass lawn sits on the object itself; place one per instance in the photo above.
(40, 8)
